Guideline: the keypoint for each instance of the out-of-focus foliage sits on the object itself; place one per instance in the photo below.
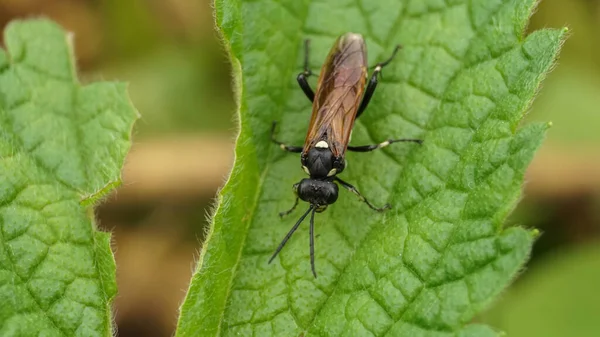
(556, 299)
(166, 50)
(571, 95)
(559, 295)
(176, 92)
(177, 72)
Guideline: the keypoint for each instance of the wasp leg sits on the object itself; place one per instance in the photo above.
(362, 198)
(367, 148)
(288, 148)
(373, 82)
(303, 76)
(282, 214)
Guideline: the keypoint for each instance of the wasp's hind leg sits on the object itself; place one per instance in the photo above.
(288, 148)
(303, 76)
(373, 82)
(284, 213)
(368, 148)
(362, 198)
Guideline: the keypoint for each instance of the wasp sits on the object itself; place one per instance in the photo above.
(342, 96)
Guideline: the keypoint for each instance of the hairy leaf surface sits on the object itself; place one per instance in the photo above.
(462, 82)
(62, 146)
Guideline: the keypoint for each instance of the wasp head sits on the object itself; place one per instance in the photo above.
(318, 193)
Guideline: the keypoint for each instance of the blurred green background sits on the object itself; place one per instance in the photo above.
(179, 79)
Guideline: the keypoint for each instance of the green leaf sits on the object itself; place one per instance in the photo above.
(462, 82)
(62, 146)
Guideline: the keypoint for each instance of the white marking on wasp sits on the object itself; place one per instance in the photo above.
(322, 144)
(282, 146)
(384, 144)
(332, 172)
(378, 68)
(306, 170)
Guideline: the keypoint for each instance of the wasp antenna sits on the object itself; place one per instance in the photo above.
(386, 62)
(312, 242)
(289, 234)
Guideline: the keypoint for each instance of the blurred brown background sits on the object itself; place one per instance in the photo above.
(179, 80)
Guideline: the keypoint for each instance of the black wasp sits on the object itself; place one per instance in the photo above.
(340, 99)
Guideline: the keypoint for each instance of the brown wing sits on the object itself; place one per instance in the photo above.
(339, 92)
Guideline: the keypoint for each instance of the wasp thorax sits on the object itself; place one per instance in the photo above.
(319, 161)
(318, 192)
